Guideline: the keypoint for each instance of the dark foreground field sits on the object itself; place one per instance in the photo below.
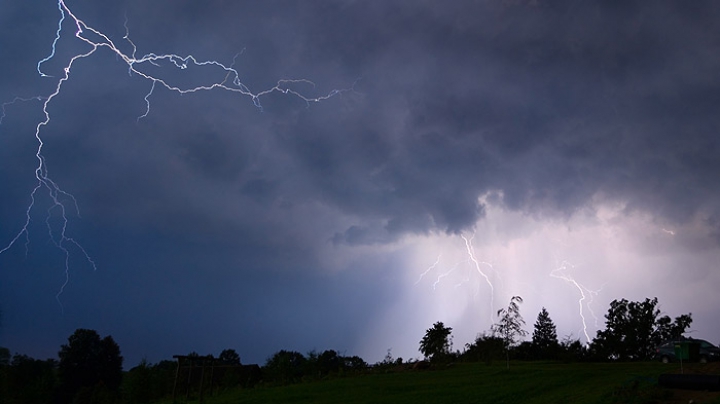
(531, 382)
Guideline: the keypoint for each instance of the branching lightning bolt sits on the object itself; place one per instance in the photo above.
(441, 275)
(3, 107)
(587, 296)
(62, 201)
(476, 265)
(471, 254)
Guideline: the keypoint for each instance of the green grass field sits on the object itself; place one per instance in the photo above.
(532, 382)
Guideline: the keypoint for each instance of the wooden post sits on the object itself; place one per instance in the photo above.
(189, 362)
(212, 376)
(202, 379)
(189, 380)
(177, 374)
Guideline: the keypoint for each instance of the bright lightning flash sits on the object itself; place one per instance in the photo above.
(587, 296)
(430, 268)
(475, 265)
(471, 254)
(62, 201)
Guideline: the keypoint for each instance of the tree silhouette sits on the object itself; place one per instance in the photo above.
(138, 383)
(667, 330)
(633, 330)
(90, 364)
(27, 380)
(229, 357)
(485, 348)
(285, 366)
(544, 339)
(435, 345)
(4, 356)
(328, 362)
(510, 325)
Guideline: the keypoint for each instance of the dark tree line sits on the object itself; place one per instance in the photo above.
(26, 380)
(148, 382)
(633, 330)
(89, 367)
(285, 367)
(89, 370)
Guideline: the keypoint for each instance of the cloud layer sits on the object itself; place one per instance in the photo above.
(308, 224)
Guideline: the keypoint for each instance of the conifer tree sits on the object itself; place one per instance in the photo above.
(544, 337)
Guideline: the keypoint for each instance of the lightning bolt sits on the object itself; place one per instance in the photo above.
(61, 201)
(587, 296)
(430, 268)
(440, 277)
(474, 265)
(471, 255)
(3, 107)
(444, 275)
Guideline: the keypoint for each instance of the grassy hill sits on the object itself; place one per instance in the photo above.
(531, 382)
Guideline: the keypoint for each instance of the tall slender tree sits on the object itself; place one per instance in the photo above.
(510, 325)
(544, 338)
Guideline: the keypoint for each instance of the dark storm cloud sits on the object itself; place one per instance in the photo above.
(549, 103)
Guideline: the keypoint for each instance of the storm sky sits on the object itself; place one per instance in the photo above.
(564, 151)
